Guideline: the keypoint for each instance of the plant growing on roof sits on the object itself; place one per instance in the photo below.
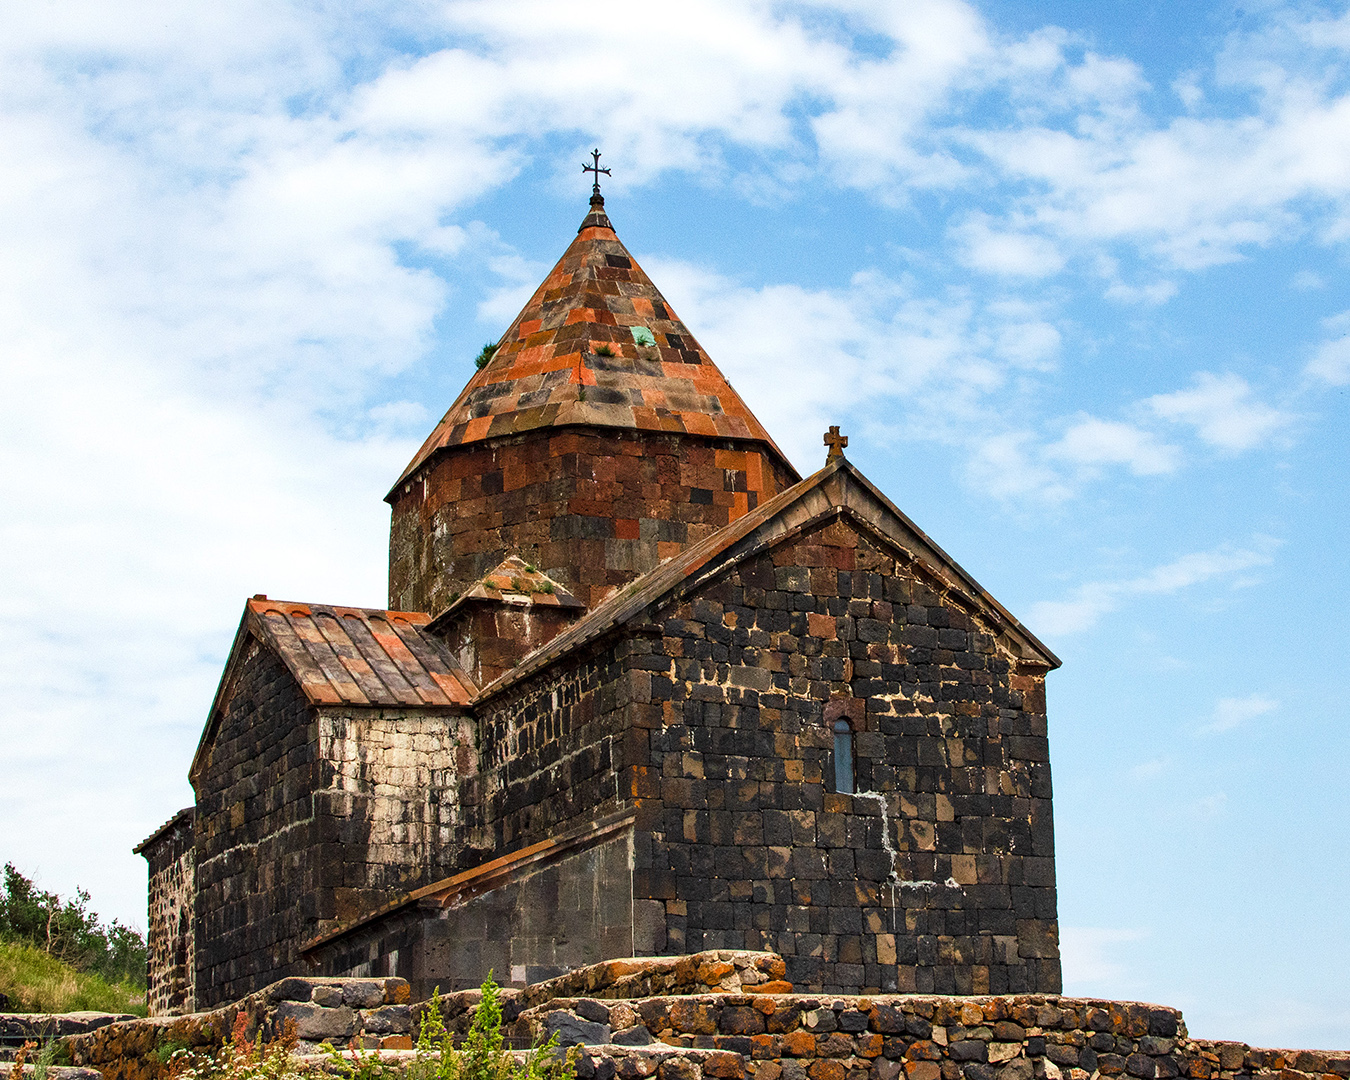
(485, 354)
(604, 350)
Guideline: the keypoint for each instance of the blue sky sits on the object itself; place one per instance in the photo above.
(1070, 276)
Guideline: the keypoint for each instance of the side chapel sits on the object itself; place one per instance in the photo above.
(641, 690)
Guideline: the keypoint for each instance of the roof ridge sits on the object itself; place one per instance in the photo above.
(609, 613)
(666, 578)
(351, 662)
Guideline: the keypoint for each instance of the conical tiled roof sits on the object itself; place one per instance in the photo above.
(550, 367)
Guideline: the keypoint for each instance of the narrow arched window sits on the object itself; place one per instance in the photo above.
(843, 757)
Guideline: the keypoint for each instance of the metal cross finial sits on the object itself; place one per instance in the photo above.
(835, 442)
(595, 168)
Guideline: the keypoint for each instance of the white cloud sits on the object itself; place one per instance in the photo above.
(1232, 712)
(1092, 600)
(1221, 409)
(1331, 361)
(1091, 441)
(874, 126)
(142, 516)
(1157, 292)
(811, 357)
(1147, 770)
(519, 279)
(1034, 344)
(1007, 466)
(1194, 190)
(1012, 253)
(399, 415)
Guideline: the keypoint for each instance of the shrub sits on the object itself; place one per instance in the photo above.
(69, 931)
(483, 1055)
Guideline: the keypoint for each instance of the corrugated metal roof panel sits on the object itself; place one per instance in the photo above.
(361, 656)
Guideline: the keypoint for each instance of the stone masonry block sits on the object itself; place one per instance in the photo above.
(387, 1020)
(363, 994)
(313, 1023)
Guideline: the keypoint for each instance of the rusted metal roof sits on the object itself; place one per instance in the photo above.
(346, 656)
(596, 345)
(360, 656)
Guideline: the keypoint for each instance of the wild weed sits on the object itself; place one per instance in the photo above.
(242, 1058)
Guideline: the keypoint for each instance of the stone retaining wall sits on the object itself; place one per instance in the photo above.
(748, 1032)
(374, 1012)
(886, 1037)
(726, 970)
(18, 1028)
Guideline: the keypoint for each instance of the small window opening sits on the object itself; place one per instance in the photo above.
(843, 757)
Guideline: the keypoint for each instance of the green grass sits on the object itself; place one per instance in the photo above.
(36, 982)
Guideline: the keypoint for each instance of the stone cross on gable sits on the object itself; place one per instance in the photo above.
(835, 442)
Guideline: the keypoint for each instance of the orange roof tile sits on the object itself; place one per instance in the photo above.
(548, 371)
(360, 656)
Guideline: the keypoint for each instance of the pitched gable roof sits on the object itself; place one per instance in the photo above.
(349, 656)
(360, 656)
(184, 815)
(547, 370)
(839, 487)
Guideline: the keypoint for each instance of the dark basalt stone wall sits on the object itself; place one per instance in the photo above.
(550, 755)
(543, 923)
(592, 508)
(260, 857)
(309, 817)
(714, 721)
(938, 875)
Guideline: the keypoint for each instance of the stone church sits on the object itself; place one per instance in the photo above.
(641, 689)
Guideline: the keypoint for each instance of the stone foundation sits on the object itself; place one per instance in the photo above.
(687, 1033)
